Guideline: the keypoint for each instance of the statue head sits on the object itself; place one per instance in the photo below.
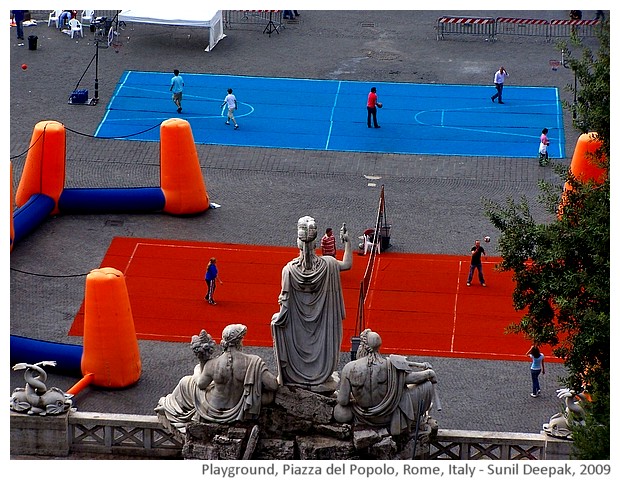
(370, 342)
(232, 335)
(203, 345)
(306, 229)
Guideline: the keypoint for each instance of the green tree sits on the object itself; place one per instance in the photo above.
(561, 268)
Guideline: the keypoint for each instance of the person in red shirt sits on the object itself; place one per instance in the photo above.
(371, 106)
(328, 243)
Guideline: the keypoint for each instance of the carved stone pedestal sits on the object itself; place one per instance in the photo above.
(39, 435)
(299, 425)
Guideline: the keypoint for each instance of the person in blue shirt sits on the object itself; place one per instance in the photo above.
(537, 366)
(18, 18)
(176, 87)
(210, 278)
(64, 17)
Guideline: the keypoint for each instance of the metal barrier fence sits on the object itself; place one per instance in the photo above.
(526, 27)
(466, 25)
(529, 27)
(581, 28)
(253, 17)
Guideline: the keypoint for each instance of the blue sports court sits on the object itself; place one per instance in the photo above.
(422, 119)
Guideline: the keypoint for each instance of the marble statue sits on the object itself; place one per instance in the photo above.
(36, 398)
(560, 424)
(378, 391)
(179, 407)
(224, 388)
(234, 381)
(307, 331)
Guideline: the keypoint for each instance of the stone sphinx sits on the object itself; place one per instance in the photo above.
(224, 388)
(391, 392)
(307, 331)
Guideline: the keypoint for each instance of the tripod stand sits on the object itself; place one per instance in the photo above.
(75, 97)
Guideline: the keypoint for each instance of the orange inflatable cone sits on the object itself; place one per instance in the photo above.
(111, 350)
(181, 177)
(584, 164)
(44, 170)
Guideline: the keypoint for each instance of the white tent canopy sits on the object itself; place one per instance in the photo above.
(195, 17)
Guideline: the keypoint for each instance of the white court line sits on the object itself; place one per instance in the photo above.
(185, 96)
(456, 301)
(558, 126)
(107, 110)
(198, 247)
(443, 112)
(331, 117)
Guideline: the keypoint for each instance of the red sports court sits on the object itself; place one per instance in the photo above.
(418, 303)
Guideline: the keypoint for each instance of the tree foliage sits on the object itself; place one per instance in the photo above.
(561, 268)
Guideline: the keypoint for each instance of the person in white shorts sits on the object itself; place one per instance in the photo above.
(231, 101)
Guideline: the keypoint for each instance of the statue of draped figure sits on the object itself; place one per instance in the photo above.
(307, 331)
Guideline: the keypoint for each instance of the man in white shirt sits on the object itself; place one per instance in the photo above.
(231, 101)
(500, 75)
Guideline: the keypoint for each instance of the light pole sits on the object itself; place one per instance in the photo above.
(96, 97)
(574, 106)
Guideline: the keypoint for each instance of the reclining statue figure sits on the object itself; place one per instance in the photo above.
(224, 388)
(391, 392)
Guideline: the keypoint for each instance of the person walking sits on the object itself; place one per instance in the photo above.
(500, 76)
(476, 263)
(537, 366)
(543, 154)
(328, 243)
(371, 106)
(18, 18)
(211, 275)
(231, 101)
(176, 87)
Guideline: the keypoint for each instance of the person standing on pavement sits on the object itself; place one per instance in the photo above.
(543, 154)
(537, 366)
(328, 243)
(18, 18)
(500, 76)
(176, 87)
(231, 101)
(371, 106)
(476, 263)
(211, 275)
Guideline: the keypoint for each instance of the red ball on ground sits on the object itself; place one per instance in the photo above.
(24, 66)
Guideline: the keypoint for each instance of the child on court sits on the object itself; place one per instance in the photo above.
(231, 101)
(543, 155)
(210, 277)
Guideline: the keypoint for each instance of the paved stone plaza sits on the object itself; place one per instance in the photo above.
(434, 203)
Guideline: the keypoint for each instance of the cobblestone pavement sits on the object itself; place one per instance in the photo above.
(434, 203)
